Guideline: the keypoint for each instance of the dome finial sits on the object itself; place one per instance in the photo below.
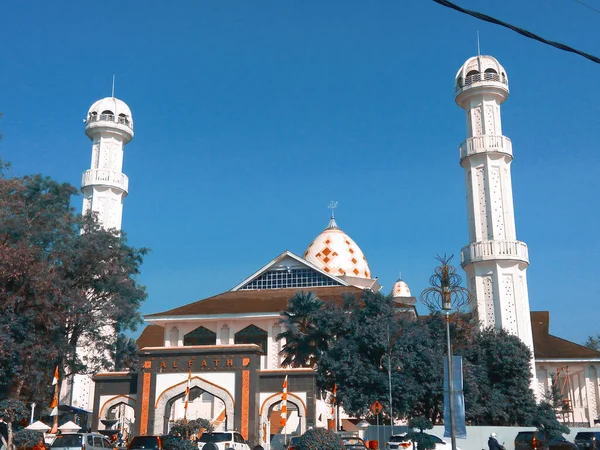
(332, 205)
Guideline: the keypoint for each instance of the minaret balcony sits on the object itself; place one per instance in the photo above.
(487, 143)
(103, 177)
(494, 250)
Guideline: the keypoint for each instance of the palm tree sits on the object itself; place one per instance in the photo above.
(302, 337)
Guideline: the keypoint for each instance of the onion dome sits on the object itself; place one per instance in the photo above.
(400, 289)
(334, 252)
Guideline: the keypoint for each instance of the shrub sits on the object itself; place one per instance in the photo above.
(320, 439)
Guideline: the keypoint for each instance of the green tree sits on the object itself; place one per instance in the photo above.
(593, 342)
(422, 439)
(303, 340)
(320, 439)
(12, 412)
(188, 428)
(64, 283)
(545, 421)
(125, 353)
(500, 366)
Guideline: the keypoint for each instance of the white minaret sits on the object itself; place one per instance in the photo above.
(110, 126)
(495, 261)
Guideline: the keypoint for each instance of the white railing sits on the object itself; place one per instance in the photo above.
(478, 77)
(109, 118)
(485, 143)
(106, 178)
(489, 250)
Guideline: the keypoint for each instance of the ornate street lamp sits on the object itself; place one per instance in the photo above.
(447, 294)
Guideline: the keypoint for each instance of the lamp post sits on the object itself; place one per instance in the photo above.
(33, 405)
(389, 371)
(446, 294)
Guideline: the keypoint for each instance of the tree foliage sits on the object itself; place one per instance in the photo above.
(303, 339)
(320, 439)
(12, 412)
(363, 334)
(423, 440)
(64, 283)
(593, 342)
(545, 421)
(190, 427)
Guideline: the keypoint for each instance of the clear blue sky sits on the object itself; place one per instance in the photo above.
(251, 116)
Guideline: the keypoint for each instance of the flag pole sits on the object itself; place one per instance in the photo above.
(54, 404)
(283, 421)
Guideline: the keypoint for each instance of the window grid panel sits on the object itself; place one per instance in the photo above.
(292, 278)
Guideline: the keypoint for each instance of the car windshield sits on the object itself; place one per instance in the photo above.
(67, 440)
(144, 441)
(398, 438)
(215, 437)
(584, 435)
(524, 436)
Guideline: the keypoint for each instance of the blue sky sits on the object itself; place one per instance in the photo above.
(251, 116)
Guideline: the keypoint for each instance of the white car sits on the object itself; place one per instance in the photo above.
(401, 442)
(222, 440)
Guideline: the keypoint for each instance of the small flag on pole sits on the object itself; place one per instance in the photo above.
(284, 393)
(55, 379)
(187, 395)
(54, 404)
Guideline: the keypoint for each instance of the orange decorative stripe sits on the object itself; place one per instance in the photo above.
(245, 402)
(145, 404)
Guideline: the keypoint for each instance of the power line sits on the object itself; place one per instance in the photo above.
(587, 6)
(521, 31)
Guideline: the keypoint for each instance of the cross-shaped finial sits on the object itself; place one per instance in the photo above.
(332, 205)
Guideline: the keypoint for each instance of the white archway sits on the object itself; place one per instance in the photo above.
(178, 389)
(114, 401)
(265, 424)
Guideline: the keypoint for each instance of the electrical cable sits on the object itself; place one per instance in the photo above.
(587, 6)
(521, 31)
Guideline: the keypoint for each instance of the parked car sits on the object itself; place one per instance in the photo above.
(353, 443)
(146, 443)
(589, 440)
(81, 441)
(402, 442)
(224, 440)
(535, 440)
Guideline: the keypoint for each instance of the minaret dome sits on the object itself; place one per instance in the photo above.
(110, 114)
(480, 74)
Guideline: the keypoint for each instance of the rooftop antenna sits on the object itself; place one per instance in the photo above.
(332, 205)
(113, 87)
(400, 275)
(478, 48)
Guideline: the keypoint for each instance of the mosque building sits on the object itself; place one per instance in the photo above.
(224, 348)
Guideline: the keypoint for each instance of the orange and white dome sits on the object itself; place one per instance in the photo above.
(400, 289)
(336, 253)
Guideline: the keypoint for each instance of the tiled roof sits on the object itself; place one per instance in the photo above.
(152, 336)
(254, 301)
(548, 346)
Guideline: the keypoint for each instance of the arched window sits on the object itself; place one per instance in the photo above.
(174, 337)
(200, 336)
(123, 119)
(472, 76)
(107, 115)
(252, 335)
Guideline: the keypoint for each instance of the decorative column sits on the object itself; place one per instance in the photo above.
(495, 261)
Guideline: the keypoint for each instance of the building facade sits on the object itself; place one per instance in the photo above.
(225, 347)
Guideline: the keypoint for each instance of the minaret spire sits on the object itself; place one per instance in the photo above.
(332, 223)
(495, 261)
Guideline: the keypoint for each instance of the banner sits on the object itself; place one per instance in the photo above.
(460, 426)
